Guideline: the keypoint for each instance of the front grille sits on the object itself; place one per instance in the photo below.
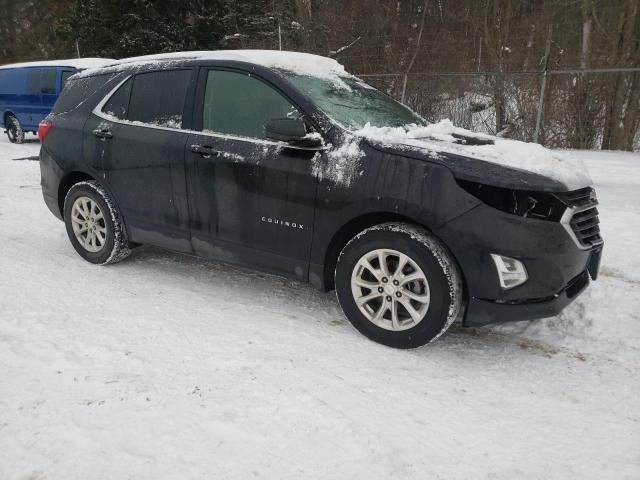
(585, 225)
(581, 217)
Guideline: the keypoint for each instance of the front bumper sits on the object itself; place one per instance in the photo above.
(483, 312)
(558, 269)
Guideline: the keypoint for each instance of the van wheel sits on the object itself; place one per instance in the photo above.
(398, 285)
(94, 224)
(14, 130)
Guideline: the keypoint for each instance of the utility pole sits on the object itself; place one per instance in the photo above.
(279, 36)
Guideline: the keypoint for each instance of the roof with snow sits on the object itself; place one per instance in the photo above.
(296, 62)
(79, 63)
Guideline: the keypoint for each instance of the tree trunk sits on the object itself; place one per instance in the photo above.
(581, 102)
(625, 54)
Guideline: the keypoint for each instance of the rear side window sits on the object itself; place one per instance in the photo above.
(48, 81)
(238, 104)
(33, 81)
(77, 90)
(157, 98)
(65, 76)
(118, 105)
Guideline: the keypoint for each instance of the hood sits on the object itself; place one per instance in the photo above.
(482, 158)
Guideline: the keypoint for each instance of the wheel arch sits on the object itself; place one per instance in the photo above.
(6, 114)
(68, 181)
(356, 225)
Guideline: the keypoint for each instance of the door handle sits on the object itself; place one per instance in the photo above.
(103, 133)
(205, 151)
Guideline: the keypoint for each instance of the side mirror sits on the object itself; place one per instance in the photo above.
(292, 131)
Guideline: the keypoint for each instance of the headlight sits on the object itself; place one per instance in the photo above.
(524, 203)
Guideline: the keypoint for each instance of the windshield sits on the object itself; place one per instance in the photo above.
(353, 103)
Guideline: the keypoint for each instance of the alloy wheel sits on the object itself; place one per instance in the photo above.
(88, 224)
(390, 289)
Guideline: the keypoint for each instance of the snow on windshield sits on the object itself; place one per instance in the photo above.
(352, 103)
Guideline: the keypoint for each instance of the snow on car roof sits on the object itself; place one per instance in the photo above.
(79, 63)
(296, 62)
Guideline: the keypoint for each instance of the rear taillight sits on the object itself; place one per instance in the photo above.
(44, 127)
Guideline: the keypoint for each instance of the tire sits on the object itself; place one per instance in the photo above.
(94, 224)
(14, 130)
(426, 295)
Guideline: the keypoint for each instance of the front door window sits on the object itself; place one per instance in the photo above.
(240, 105)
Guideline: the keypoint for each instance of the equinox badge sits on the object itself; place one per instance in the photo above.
(284, 223)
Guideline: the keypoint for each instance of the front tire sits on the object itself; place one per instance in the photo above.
(398, 285)
(94, 224)
(14, 130)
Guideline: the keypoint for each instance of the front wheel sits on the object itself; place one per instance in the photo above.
(94, 224)
(14, 130)
(398, 285)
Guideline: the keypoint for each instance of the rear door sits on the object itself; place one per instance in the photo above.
(135, 139)
(251, 199)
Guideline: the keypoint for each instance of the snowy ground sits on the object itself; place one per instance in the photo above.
(166, 366)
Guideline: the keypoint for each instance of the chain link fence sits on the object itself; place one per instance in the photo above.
(591, 109)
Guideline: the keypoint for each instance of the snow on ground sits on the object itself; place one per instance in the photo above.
(167, 366)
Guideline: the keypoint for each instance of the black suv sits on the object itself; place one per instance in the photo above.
(271, 160)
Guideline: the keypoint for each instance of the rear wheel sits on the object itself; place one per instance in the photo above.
(14, 129)
(398, 285)
(94, 224)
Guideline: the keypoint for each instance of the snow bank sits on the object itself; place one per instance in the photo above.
(79, 63)
(439, 137)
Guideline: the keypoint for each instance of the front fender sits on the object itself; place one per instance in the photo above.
(389, 186)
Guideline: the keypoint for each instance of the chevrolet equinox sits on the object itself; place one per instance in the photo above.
(286, 163)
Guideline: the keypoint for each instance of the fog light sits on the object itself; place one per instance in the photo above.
(510, 271)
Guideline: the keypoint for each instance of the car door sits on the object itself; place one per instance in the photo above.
(135, 140)
(251, 199)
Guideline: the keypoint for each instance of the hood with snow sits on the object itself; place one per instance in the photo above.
(482, 158)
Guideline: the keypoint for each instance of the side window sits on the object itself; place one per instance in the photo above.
(48, 81)
(33, 81)
(65, 76)
(118, 105)
(158, 98)
(76, 91)
(239, 104)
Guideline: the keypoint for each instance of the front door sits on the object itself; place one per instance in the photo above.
(251, 200)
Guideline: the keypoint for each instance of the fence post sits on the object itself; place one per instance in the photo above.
(543, 86)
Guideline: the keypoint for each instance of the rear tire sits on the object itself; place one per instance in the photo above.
(398, 285)
(94, 224)
(14, 130)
